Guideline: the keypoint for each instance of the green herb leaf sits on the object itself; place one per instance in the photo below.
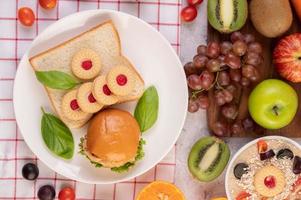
(146, 112)
(139, 156)
(57, 136)
(56, 79)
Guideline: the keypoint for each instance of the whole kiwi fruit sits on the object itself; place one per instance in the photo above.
(271, 18)
(227, 16)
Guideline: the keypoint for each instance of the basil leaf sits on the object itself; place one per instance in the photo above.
(56, 79)
(57, 136)
(146, 112)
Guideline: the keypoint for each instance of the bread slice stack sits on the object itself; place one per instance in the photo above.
(104, 40)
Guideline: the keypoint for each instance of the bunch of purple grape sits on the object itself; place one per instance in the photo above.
(220, 67)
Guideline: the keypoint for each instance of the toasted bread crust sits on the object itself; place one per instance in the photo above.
(120, 59)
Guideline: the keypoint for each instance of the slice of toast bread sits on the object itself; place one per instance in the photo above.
(104, 40)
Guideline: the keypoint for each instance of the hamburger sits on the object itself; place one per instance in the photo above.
(113, 140)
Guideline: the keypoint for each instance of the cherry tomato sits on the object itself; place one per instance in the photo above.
(67, 193)
(26, 16)
(47, 4)
(189, 13)
(242, 196)
(194, 2)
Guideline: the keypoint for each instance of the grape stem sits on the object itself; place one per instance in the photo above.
(196, 92)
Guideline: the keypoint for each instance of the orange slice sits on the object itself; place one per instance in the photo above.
(160, 190)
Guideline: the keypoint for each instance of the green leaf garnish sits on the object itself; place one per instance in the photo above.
(57, 79)
(146, 112)
(57, 136)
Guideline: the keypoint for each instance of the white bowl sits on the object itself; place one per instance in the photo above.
(253, 142)
(153, 57)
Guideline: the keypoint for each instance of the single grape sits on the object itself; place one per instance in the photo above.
(235, 74)
(206, 79)
(245, 82)
(248, 124)
(213, 65)
(193, 106)
(248, 71)
(190, 69)
(221, 58)
(226, 47)
(220, 129)
(233, 61)
(228, 96)
(30, 171)
(255, 47)
(213, 50)
(194, 82)
(236, 128)
(46, 192)
(230, 111)
(223, 78)
(200, 61)
(248, 38)
(255, 76)
(236, 36)
(231, 88)
(203, 101)
(202, 50)
(239, 48)
(219, 97)
(252, 58)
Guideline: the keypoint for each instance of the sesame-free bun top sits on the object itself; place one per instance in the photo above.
(113, 138)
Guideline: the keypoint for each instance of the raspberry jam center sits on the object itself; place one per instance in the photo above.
(121, 79)
(87, 64)
(91, 98)
(106, 90)
(270, 181)
(74, 104)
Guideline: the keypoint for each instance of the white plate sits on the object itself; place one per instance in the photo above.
(153, 57)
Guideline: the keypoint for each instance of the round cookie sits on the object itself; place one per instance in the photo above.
(269, 181)
(102, 93)
(121, 80)
(86, 64)
(70, 107)
(86, 100)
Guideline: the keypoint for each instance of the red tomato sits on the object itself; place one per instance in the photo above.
(47, 4)
(242, 196)
(67, 193)
(26, 16)
(194, 2)
(189, 13)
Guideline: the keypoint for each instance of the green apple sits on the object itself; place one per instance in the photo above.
(273, 104)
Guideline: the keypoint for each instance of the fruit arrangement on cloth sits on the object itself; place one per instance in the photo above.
(240, 54)
(247, 78)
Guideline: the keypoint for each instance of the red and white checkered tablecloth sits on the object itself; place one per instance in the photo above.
(14, 41)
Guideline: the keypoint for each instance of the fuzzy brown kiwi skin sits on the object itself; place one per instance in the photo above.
(239, 19)
(218, 165)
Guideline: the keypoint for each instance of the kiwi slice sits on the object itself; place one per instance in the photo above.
(227, 16)
(208, 158)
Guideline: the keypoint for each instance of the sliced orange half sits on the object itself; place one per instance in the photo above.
(160, 190)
